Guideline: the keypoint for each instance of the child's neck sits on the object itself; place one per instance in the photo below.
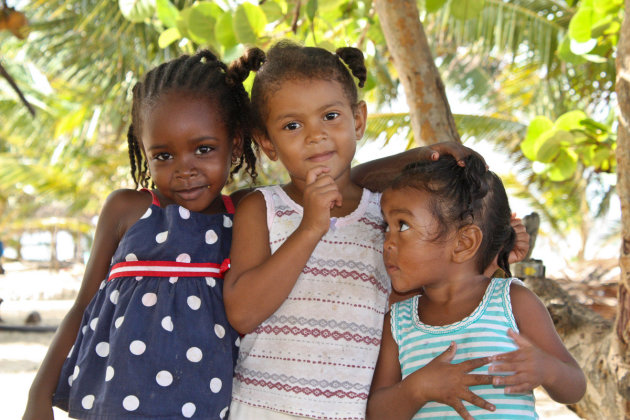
(350, 192)
(452, 301)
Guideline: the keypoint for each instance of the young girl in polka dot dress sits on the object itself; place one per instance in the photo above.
(150, 333)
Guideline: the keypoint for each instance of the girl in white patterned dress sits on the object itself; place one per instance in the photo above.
(307, 286)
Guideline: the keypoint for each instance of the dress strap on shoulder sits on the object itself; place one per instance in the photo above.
(156, 200)
(227, 202)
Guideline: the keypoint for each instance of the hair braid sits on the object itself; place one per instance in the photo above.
(201, 74)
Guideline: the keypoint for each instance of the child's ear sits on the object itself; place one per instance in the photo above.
(266, 145)
(360, 119)
(468, 242)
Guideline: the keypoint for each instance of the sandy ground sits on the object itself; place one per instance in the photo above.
(27, 288)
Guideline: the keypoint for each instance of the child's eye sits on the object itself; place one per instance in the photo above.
(203, 149)
(163, 156)
(331, 116)
(403, 227)
(292, 126)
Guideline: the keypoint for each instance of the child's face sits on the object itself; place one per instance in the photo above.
(311, 123)
(188, 150)
(413, 258)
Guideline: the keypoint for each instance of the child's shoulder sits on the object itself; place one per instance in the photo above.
(404, 304)
(126, 206)
(126, 199)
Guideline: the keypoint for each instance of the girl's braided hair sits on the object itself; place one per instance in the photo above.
(460, 196)
(287, 60)
(202, 74)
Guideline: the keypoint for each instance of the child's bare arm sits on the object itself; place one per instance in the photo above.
(542, 358)
(441, 381)
(108, 233)
(377, 174)
(259, 282)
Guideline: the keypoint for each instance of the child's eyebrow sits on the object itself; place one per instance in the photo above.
(193, 140)
(293, 114)
(401, 211)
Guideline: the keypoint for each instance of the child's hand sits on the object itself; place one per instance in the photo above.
(453, 148)
(527, 365)
(448, 383)
(521, 244)
(320, 195)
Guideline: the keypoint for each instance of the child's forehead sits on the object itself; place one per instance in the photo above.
(404, 197)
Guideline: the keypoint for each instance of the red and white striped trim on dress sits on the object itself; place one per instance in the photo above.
(168, 269)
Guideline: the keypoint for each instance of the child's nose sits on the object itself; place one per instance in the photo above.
(388, 243)
(316, 134)
(186, 168)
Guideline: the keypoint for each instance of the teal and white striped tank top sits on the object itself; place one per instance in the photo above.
(482, 333)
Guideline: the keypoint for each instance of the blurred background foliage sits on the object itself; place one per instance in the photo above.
(539, 75)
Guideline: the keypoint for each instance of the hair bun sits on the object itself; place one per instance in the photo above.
(239, 69)
(353, 57)
(475, 173)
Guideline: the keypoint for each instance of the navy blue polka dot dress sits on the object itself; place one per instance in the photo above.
(155, 341)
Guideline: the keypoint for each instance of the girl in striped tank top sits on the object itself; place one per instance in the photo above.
(445, 225)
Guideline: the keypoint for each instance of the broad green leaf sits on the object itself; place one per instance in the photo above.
(581, 23)
(569, 121)
(249, 22)
(201, 21)
(551, 145)
(581, 48)
(311, 9)
(272, 10)
(601, 155)
(565, 53)
(466, 9)
(231, 54)
(224, 31)
(587, 154)
(370, 82)
(167, 13)
(531, 144)
(591, 125)
(564, 166)
(593, 58)
(137, 10)
(432, 6)
(605, 7)
(329, 46)
(168, 37)
(182, 23)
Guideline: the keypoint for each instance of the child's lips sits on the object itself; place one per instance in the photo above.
(390, 267)
(320, 157)
(191, 193)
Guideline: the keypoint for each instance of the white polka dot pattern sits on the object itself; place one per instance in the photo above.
(167, 330)
(131, 403)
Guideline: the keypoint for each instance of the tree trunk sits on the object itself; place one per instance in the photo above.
(431, 117)
(54, 261)
(620, 353)
(588, 337)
